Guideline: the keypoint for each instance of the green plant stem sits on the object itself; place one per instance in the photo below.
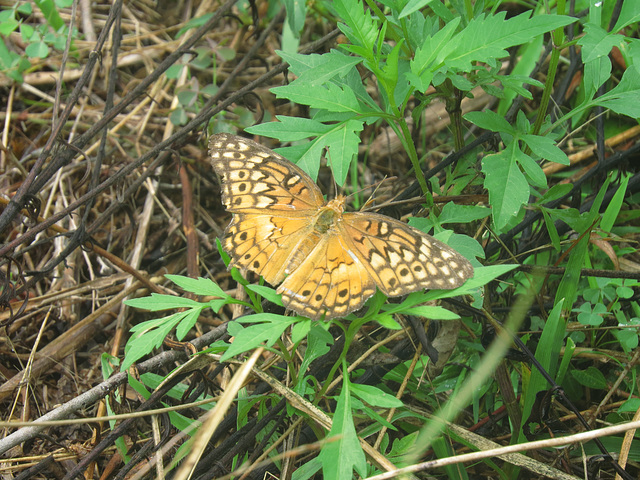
(349, 335)
(557, 39)
(405, 137)
(287, 358)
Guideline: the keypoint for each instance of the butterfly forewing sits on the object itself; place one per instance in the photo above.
(329, 262)
(255, 178)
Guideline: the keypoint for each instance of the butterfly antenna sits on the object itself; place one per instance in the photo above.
(376, 186)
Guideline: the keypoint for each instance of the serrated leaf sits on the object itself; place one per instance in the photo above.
(336, 64)
(330, 96)
(361, 27)
(487, 37)
(424, 62)
(187, 323)
(151, 336)
(343, 142)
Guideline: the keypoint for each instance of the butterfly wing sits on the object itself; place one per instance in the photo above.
(330, 281)
(402, 259)
(255, 178)
(267, 244)
(272, 200)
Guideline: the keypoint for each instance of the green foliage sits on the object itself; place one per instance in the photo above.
(150, 334)
(342, 453)
(38, 40)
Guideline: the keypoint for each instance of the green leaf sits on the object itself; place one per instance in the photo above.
(555, 192)
(187, 323)
(174, 71)
(490, 121)
(531, 168)
(266, 292)
(199, 286)
(424, 63)
(597, 42)
(329, 96)
(37, 50)
(454, 213)
(590, 378)
(300, 330)
(548, 354)
(528, 55)
(613, 209)
(545, 148)
(596, 73)
(318, 341)
(178, 116)
(25, 9)
(334, 64)
(307, 156)
(582, 224)
(629, 14)
(343, 142)
(623, 99)
(158, 301)
(51, 15)
(591, 316)
(194, 23)
(507, 186)
(487, 37)
(374, 396)
(551, 229)
(296, 14)
(388, 322)
(413, 6)
(149, 335)
(267, 329)
(360, 27)
(342, 453)
(432, 312)
(187, 97)
(8, 25)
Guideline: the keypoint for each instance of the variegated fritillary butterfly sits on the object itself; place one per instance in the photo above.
(329, 261)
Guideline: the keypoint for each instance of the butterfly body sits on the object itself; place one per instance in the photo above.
(328, 262)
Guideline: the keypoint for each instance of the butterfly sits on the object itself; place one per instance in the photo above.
(328, 262)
